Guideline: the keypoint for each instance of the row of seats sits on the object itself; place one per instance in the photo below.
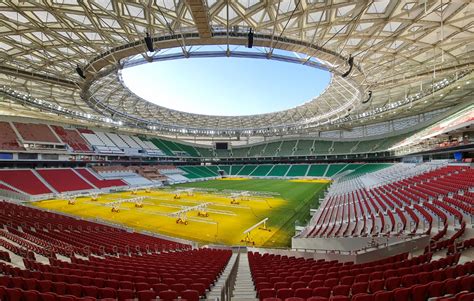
(415, 279)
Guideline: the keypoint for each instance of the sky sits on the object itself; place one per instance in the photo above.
(225, 86)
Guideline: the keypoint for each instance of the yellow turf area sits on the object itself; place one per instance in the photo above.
(234, 179)
(224, 225)
(323, 181)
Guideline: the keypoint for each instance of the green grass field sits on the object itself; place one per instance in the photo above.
(300, 197)
(226, 221)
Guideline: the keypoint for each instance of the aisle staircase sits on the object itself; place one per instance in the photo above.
(244, 289)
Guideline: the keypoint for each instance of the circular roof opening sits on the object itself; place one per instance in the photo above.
(226, 86)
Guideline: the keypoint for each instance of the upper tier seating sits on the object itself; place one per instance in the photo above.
(8, 139)
(73, 139)
(64, 179)
(24, 180)
(99, 183)
(97, 141)
(36, 132)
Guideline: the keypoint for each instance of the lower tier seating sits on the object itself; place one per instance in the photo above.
(64, 179)
(24, 180)
(396, 278)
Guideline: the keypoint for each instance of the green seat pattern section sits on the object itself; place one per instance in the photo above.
(159, 143)
(321, 147)
(256, 150)
(303, 148)
(279, 170)
(271, 149)
(234, 170)
(213, 168)
(297, 170)
(261, 170)
(246, 170)
(343, 147)
(240, 152)
(286, 148)
(334, 169)
(225, 168)
(190, 150)
(317, 170)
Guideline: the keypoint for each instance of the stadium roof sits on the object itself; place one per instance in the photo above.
(415, 56)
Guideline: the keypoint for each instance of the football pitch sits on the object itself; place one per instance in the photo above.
(232, 206)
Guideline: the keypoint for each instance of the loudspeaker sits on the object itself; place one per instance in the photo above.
(80, 72)
(250, 39)
(350, 61)
(149, 42)
(368, 98)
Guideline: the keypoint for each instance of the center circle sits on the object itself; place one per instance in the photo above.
(222, 86)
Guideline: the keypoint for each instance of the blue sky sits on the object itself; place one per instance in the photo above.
(225, 86)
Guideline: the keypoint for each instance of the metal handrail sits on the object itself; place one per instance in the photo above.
(228, 288)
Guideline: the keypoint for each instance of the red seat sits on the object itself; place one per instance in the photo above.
(361, 278)
(339, 298)
(127, 285)
(420, 292)
(107, 292)
(362, 297)
(322, 292)
(467, 283)
(168, 295)
(142, 286)
(47, 297)
(466, 297)
(376, 285)
(272, 299)
(402, 293)
(146, 295)
(436, 289)
(30, 283)
(125, 294)
(317, 298)
(74, 289)
(303, 292)
(331, 282)
(284, 293)
(163, 287)
(198, 287)
(30, 295)
(281, 284)
(295, 299)
(90, 291)
(359, 287)
(266, 293)
(13, 294)
(452, 286)
(60, 288)
(190, 295)
(178, 287)
(297, 284)
(383, 296)
(409, 280)
(315, 283)
(392, 283)
(341, 290)
(347, 280)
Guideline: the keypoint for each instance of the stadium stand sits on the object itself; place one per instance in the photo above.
(64, 179)
(405, 198)
(30, 132)
(283, 278)
(99, 183)
(24, 180)
(8, 138)
(72, 138)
